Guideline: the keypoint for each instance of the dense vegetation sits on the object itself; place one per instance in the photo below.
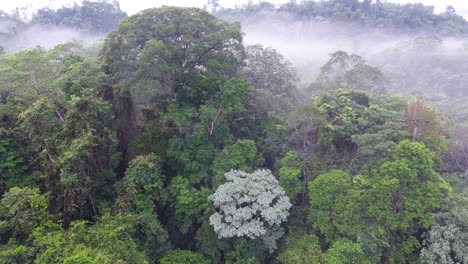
(181, 144)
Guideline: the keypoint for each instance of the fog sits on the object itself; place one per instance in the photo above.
(308, 44)
(48, 36)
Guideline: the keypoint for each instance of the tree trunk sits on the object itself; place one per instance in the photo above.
(415, 133)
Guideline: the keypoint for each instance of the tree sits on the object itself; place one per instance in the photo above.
(447, 240)
(392, 17)
(183, 256)
(404, 192)
(12, 165)
(331, 198)
(173, 50)
(30, 71)
(180, 64)
(290, 175)
(305, 124)
(423, 121)
(65, 119)
(457, 155)
(238, 156)
(186, 202)
(94, 17)
(444, 245)
(344, 251)
(143, 178)
(272, 79)
(449, 10)
(108, 241)
(301, 249)
(384, 207)
(344, 71)
(360, 123)
(141, 194)
(21, 211)
(83, 154)
(250, 205)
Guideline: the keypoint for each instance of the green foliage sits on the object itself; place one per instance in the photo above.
(209, 244)
(331, 197)
(183, 256)
(186, 202)
(344, 251)
(143, 176)
(404, 192)
(194, 158)
(27, 71)
(21, 211)
(276, 93)
(454, 211)
(130, 149)
(245, 251)
(84, 74)
(414, 187)
(393, 17)
(154, 138)
(141, 194)
(290, 175)
(239, 156)
(12, 165)
(95, 17)
(14, 254)
(383, 208)
(108, 241)
(357, 122)
(301, 249)
(456, 158)
(68, 126)
(164, 38)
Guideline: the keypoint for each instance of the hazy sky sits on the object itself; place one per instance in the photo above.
(133, 6)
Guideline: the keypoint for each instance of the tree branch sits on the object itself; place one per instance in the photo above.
(245, 117)
(59, 115)
(211, 128)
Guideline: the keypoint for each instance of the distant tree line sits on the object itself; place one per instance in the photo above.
(92, 16)
(404, 18)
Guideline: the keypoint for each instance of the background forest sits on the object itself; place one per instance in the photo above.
(183, 136)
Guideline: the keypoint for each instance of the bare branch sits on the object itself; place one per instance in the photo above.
(211, 128)
(59, 115)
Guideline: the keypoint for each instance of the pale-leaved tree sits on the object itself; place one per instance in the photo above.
(251, 205)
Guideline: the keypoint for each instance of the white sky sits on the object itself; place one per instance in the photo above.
(133, 6)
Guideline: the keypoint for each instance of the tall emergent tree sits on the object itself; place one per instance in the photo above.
(178, 65)
(173, 53)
